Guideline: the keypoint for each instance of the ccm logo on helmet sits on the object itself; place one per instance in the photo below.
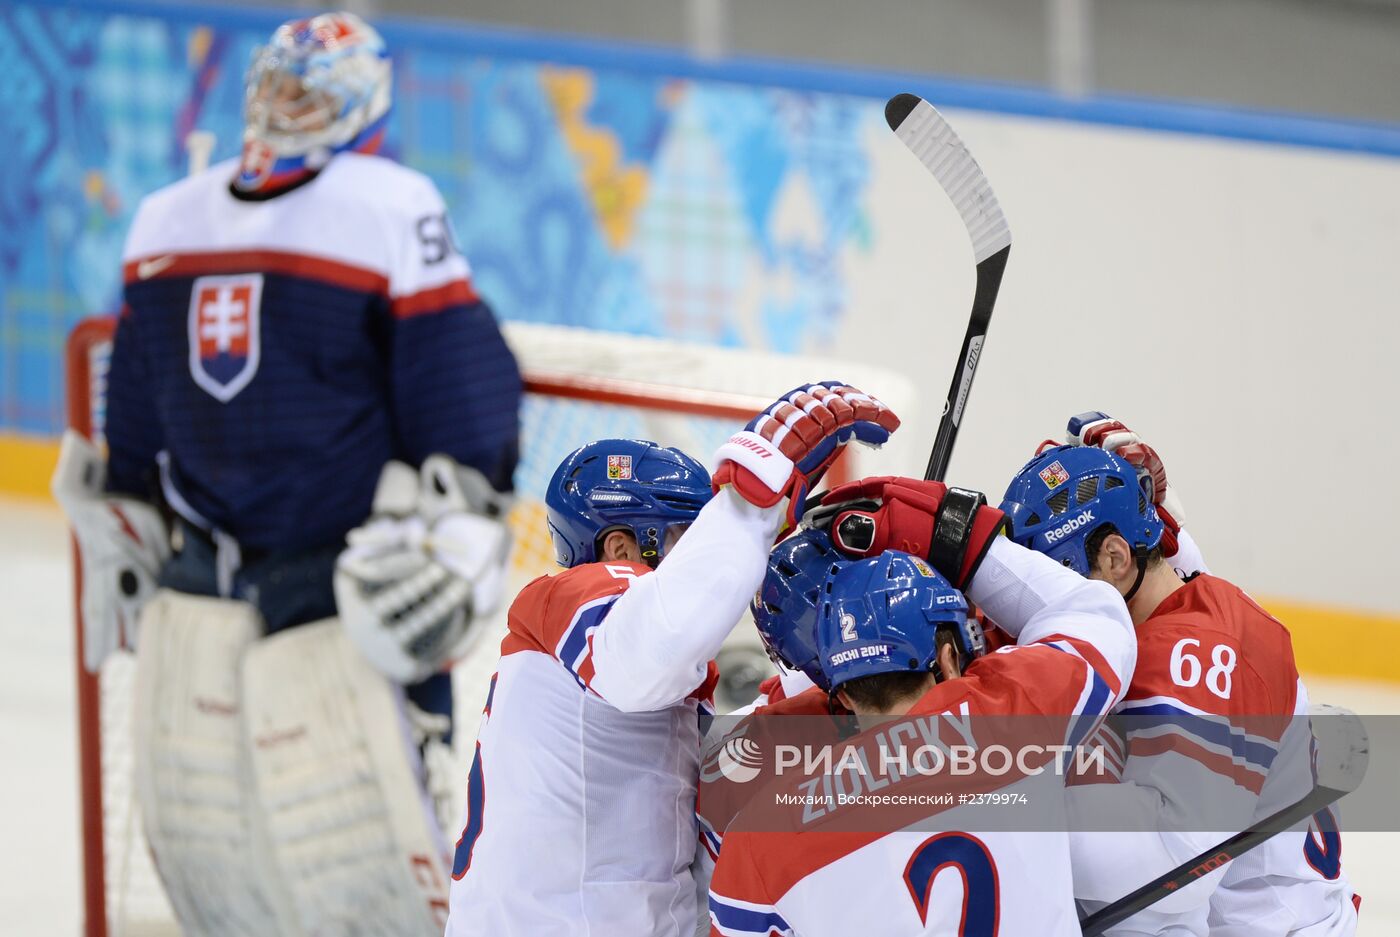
(1069, 527)
(748, 443)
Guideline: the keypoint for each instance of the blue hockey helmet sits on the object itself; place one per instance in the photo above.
(630, 484)
(1065, 494)
(881, 615)
(786, 605)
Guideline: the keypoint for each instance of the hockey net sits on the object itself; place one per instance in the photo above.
(580, 385)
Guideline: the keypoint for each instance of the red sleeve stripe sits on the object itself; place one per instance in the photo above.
(456, 293)
(732, 917)
(200, 263)
(1092, 657)
(1108, 740)
(575, 647)
(1114, 756)
(1251, 781)
(585, 671)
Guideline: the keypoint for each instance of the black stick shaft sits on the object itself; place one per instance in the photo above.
(1207, 862)
(989, 274)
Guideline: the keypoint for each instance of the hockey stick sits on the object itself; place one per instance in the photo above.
(928, 136)
(199, 146)
(1338, 774)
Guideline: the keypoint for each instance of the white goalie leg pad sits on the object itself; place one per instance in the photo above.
(337, 776)
(191, 776)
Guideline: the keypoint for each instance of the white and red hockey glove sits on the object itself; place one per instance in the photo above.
(784, 451)
(1095, 428)
(122, 543)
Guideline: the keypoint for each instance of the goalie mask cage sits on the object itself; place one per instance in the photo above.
(580, 385)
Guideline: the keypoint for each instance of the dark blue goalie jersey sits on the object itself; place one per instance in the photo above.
(271, 356)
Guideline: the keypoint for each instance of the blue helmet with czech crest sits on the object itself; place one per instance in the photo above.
(883, 615)
(623, 484)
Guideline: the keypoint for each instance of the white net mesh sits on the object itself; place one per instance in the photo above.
(584, 385)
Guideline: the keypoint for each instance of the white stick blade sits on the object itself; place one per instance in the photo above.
(1343, 747)
(929, 137)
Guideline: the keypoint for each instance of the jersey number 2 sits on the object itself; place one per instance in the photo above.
(970, 857)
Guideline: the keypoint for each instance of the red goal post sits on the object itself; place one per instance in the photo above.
(581, 384)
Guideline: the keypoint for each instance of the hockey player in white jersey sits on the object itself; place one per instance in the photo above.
(1216, 713)
(580, 813)
(876, 619)
(300, 353)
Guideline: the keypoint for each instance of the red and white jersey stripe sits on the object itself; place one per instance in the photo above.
(580, 811)
(391, 235)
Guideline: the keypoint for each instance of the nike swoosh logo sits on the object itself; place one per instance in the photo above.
(149, 268)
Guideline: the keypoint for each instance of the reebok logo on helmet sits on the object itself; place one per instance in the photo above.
(1069, 527)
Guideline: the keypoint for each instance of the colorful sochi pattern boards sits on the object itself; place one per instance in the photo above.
(624, 199)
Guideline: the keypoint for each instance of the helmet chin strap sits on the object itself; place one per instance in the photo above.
(1140, 554)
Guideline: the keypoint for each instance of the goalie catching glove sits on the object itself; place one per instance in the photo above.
(427, 566)
(952, 528)
(122, 542)
(784, 451)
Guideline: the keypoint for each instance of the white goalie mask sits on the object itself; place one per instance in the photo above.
(319, 86)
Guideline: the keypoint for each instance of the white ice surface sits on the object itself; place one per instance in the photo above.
(40, 878)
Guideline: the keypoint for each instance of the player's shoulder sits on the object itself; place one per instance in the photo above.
(215, 177)
(1025, 679)
(380, 180)
(570, 587)
(1208, 607)
(555, 614)
(162, 214)
(1210, 648)
(810, 702)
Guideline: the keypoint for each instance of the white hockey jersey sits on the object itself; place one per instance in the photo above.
(580, 814)
(1293, 884)
(1215, 724)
